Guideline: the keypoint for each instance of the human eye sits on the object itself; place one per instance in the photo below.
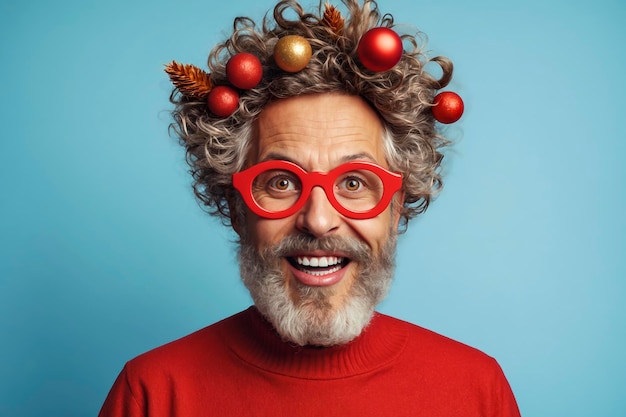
(352, 183)
(281, 183)
(276, 184)
(359, 184)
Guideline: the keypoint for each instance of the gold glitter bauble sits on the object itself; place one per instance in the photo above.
(292, 53)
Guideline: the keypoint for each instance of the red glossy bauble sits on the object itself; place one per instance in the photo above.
(448, 107)
(223, 101)
(380, 49)
(244, 71)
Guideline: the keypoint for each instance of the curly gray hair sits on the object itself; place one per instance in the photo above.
(217, 147)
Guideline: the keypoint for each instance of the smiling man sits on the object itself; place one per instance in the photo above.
(315, 137)
(317, 274)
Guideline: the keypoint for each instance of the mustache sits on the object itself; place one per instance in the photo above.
(349, 247)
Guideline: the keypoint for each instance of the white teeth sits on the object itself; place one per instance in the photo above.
(321, 273)
(321, 261)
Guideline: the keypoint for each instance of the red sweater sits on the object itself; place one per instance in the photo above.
(240, 367)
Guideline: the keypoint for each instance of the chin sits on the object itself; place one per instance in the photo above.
(319, 315)
(314, 320)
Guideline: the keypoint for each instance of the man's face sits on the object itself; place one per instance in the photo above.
(317, 262)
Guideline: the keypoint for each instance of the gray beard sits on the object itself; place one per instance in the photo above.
(310, 319)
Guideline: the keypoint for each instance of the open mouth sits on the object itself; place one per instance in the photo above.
(318, 265)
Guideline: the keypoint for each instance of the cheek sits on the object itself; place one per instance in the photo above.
(264, 232)
(374, 232)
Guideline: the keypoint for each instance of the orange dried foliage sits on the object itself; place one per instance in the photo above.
(190, 80)
(332, 18)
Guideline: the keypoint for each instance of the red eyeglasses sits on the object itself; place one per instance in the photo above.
(276, 189)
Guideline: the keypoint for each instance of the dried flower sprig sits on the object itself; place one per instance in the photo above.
(332, 18)
(190, 80)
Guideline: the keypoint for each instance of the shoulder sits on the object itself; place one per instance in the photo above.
(459, 376)
(429, 347)
(172, 377)
(180, 354)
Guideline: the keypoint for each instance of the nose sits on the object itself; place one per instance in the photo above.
(318, 217)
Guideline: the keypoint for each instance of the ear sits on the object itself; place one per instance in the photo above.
(235, 217)
(397, 209)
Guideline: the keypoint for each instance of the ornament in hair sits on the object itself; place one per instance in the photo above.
(380, 49)
(190, 80)
(244, 71)
(447, 107)
(333, 19)
(223, 101)
(292, 53)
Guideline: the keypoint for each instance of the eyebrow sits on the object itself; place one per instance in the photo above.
(275, 156)
(359, 156)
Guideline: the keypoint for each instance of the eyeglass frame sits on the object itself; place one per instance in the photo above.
(243, 182)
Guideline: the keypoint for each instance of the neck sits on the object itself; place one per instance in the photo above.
(257, 343)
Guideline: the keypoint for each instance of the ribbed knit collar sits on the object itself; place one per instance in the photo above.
(255, 341)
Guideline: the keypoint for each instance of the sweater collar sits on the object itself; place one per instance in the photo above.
(256, 342)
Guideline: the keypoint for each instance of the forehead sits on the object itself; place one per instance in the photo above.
(318, 131)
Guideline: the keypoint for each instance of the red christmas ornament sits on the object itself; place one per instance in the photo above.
(244, 71)
(223, 101)
(448, 107)
(380, 49)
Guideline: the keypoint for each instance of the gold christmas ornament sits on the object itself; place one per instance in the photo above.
(292, 53)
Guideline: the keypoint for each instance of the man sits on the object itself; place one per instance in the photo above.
(316, 144)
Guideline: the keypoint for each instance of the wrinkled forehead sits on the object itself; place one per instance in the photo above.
(318, 131)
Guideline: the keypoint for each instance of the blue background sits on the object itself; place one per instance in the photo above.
(105, 254)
